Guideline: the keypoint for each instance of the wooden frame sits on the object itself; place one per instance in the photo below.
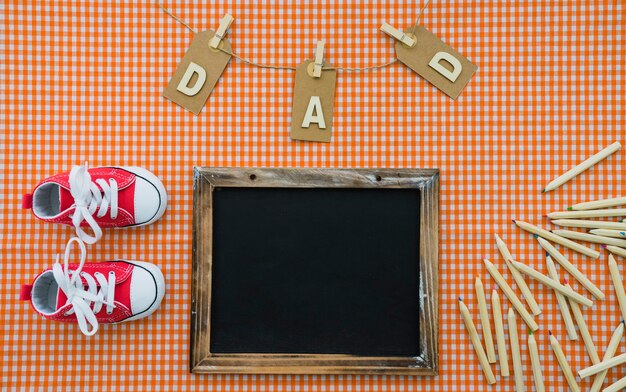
(207, 179)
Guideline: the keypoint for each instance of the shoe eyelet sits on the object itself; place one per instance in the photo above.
(111, 312)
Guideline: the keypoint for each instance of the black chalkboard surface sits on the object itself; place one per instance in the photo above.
(332, 271)
(315, 271)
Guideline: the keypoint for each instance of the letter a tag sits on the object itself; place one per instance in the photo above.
(313, 104)
(435, 61)
(198, 73)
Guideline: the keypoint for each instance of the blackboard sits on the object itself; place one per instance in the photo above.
(315, 277)
(314, 271)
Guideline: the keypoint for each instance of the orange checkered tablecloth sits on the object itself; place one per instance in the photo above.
(83, 81)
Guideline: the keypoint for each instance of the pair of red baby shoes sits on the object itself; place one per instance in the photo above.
(102, 292)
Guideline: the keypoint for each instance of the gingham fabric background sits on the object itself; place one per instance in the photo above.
(83, 81)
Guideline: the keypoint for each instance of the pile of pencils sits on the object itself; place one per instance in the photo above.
(610, 234)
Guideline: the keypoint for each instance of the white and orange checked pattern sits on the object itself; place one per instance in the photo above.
(83, 81)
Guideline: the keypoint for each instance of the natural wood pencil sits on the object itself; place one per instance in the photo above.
(617, 386)
(604, 365)
(563, 364)
(478, 348)
(506, 289)
(618, 285)
(484, 320)
(608, 354)
(518, 373)
(587, 214)
(519, 279)
(596, 204)
(583, 166)
(616, 250)
(557, 239)
(571, 268)
(589, 224)
(609, 233)
(584, 331)
(499, 327)
(566, 291)
(535, 363)
(562, 301)
(597, 239)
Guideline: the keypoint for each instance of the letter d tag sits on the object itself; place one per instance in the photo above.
(435, 61)
(313, 104)
(198, 73)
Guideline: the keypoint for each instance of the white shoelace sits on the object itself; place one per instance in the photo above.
(82, 300)
(88, 199)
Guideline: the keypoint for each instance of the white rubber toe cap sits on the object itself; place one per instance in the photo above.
(147, 201)
(147, 289)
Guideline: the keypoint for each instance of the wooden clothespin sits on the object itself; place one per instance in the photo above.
(225, 23)
(398, 34)
(319, 59)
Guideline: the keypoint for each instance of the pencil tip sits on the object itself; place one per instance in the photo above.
(603, 246)
(544, 215)
(513, 220)
(530, 331)
(547, 254)
(460, 299)
(565, 281)
(535, 235)
(543, 190)
(622, 232)
(549, 332)
(570, 208)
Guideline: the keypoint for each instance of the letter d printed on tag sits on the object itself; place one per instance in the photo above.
(432, 59)
(198, 73)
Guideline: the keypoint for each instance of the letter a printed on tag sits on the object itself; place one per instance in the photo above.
(435, 61)
(313, 104)
(198, 73)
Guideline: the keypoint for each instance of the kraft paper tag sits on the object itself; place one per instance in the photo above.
(313, 104)
(198, 73)
(437, 62)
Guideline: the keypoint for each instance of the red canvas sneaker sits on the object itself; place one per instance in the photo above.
(99, 197)
(94, 293)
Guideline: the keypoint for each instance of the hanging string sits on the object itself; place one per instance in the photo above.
(176, 18)
(419, 17)
(288, 68)
(265, 66)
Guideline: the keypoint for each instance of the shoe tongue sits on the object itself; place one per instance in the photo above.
(65, 199)
(61, 299)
